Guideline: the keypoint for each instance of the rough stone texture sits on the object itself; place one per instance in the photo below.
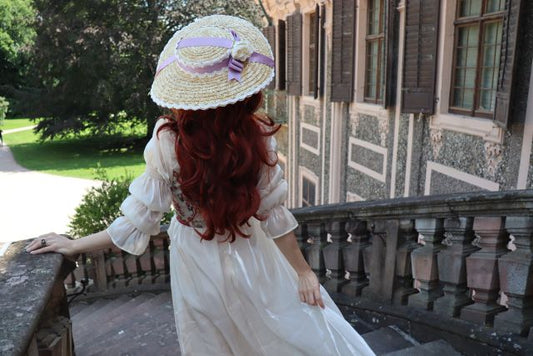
(444, 184)
(368, 158)
(311, 138)
(26, 286)
(364, 185)
(401, 158)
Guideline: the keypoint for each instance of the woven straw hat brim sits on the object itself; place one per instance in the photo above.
(175, 87)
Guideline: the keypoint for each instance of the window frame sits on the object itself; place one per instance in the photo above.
(312, 178)
(481, 20)
(380, 39)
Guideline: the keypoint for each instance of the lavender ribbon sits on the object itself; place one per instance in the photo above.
(235, 67)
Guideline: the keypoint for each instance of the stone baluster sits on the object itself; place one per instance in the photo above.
(313, 249)
(516, 271)
(458, 235)
(424, 260)
(352, 252)
(482, 270)
(407, 242)
(301, 235)
(332, 252)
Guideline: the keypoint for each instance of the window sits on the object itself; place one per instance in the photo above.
(478, 36)
(308, 192)
(312, 53)
(374, 64)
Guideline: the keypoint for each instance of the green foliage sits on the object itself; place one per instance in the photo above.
(101, 205)
(96, 59)
(16, 38)
(4, 105)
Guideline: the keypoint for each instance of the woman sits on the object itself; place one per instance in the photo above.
(240, 285)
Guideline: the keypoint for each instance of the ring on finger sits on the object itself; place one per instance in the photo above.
(43, 243)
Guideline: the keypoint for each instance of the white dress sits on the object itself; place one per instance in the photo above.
(236, 298)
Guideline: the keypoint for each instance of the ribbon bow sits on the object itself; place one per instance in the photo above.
(235, 66)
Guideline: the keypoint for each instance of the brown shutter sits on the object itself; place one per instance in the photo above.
(343, 46)
(420, 56)
(391, 52)
(321, 69)
(316, 30)
(281, 53)
(294, 54)
(270, 34)
(507, 62)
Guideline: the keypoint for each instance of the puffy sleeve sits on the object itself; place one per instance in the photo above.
(150, 196)
(273, 191)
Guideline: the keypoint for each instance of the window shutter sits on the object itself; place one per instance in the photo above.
(507, 61)
(270, 34)
(420, 56)
(294, 54)
(321, 69)
(280, 70)
(391, 53)
(343, 46)
(316, 29)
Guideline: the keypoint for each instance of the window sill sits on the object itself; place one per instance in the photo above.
(469, 125)
(369, 109)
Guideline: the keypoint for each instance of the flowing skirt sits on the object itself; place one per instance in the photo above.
(242, 299)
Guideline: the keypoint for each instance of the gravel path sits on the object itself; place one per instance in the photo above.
(33, 203)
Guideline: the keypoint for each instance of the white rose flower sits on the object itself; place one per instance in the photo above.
(241, 50)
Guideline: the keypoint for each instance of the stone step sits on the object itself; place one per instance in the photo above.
(92, 307)
(121, 330)
(83, 331)
(433, 348)
(106, 310)
(387, 339)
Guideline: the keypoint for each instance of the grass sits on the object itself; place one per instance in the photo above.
(9, 124)
(75, 157)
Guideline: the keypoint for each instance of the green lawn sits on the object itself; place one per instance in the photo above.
(74, 157)
(9, 124)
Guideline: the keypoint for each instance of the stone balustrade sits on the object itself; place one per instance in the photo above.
(34, 316)
(460, 265)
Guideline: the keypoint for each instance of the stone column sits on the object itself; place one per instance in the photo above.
(452, 265)
(403, 285)
(357, 242)
(516, 278)
(313, 249)
(333, 255)
(482, 270)
(424, 260)
(301, 235)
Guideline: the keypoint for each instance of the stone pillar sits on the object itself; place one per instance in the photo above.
(403, 285)
(482, 270)
(452, 265)
(516, 278)
(352, 253)
(424, 260)
(313, 250)
(301, 235)
(333, 255)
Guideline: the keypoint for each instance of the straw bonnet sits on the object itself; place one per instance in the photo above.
(215, 61)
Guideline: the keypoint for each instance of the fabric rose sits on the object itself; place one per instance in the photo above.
(241, 50)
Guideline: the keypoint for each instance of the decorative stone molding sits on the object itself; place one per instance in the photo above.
(474, 126)
(436, 140)
(493, 156)
(354, 123)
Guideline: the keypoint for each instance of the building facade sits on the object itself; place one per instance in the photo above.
(397, 98)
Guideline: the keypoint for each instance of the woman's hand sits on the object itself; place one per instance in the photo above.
(309, 289)
(54, 243)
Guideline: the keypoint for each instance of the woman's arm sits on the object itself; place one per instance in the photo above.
(308, 286)
(67, 247)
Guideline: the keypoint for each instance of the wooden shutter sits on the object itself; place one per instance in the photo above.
(270, 34)
(391, 52)
(281, 53)
(420, 56)
(507, 62)
(314, 61)
(321, 69)
(294, 54)
(343, 46)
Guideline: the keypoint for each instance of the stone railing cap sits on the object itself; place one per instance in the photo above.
(26, 282)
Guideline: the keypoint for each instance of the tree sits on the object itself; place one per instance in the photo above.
(16, 37)
(96, 58)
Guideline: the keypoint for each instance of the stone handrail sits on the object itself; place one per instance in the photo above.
(33, 307)
(463, 260)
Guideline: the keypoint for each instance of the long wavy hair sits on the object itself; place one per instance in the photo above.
(220, 153)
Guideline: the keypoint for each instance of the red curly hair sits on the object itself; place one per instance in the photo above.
(220, 153)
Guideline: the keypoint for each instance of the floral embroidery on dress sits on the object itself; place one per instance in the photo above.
(186, 212)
